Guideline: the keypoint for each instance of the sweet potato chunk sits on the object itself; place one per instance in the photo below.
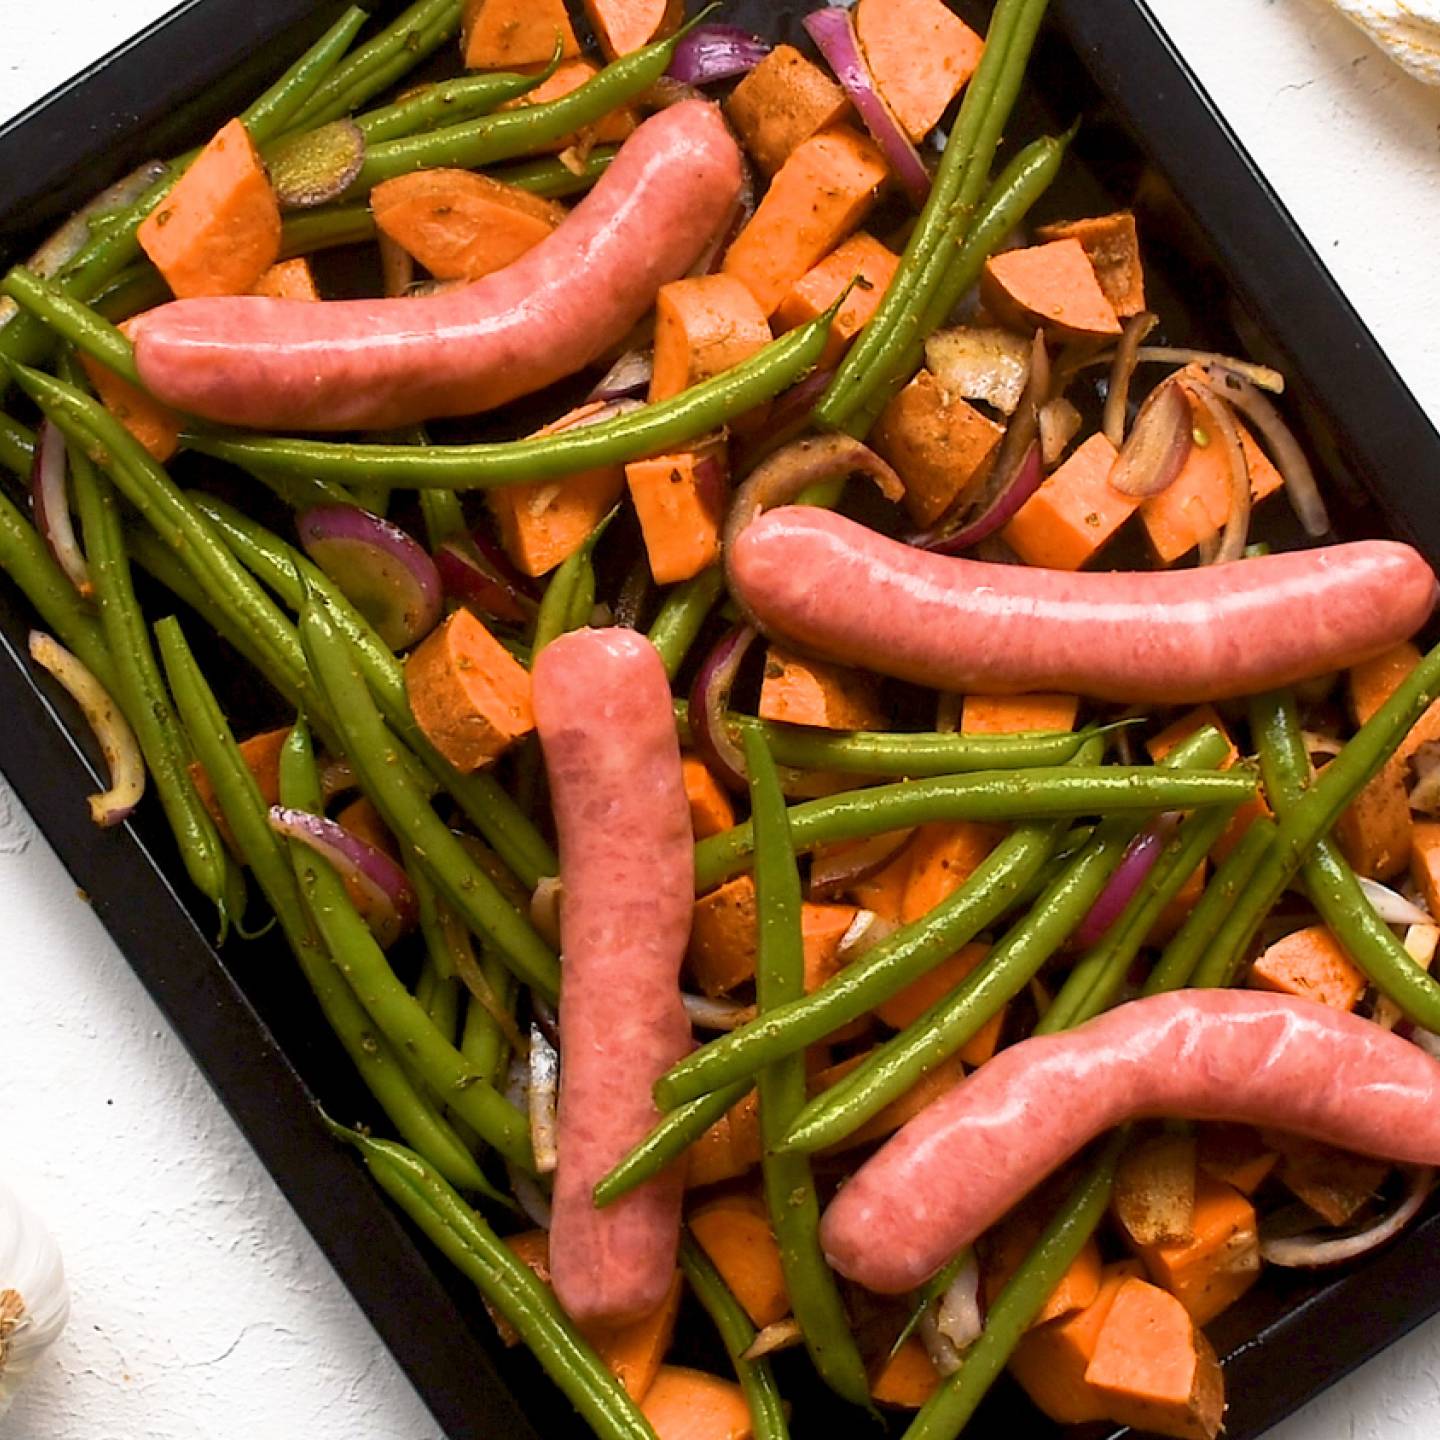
(1053, 285)
(781, 103)
(685, 1404)
(680, 502)
(155, 425)
(1154, 1199)
(1113, 247)
(288, 280)
(613, 128)
(703, 325)
(734, 1231)
(1311, 964)
(710, 807)
(1017, 714)
(812, 692)
(907, 1379)
(1070, 517)
(920, 54)
(862, 259)
(510, 34)
(625, 25)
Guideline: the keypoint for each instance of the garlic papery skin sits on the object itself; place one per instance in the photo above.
(34, 1299)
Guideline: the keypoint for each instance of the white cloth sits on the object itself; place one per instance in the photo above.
(1407, 30)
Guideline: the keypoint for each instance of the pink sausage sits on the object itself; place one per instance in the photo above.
(830, 586)
(603, 712)
(374, 364)
(972, 1155)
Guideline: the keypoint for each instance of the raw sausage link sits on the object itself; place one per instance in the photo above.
(603, 712)
(828, 585)
(375, 364)
(1273, 1060)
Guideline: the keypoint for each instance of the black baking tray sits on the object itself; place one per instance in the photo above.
(1229, 267)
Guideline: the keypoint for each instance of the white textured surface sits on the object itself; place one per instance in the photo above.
(201, 1308)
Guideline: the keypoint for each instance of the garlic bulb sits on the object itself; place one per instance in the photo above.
(1407, 30)
(34, 1300)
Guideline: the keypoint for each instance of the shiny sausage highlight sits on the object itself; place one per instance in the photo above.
(604, 716)
(823, 583)
(376, 364)
(1271, 1060)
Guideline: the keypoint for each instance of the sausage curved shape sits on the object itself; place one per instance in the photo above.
(824, 584)
(976, 1152)
(375, 364)
(603, 713)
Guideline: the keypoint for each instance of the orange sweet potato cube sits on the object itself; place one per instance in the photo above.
(1071, 516)
(1335, 1184)
(1425, 862)
(710, 807)
(218, 230)
(1371, 683)
(704, 325)
(907, 1379)
(781, 103)
(723, 937)
(511, 34)
(613, 128)
(818, 196)
(930, 1087)
(919, 53)
(943, 856)
(1374, 832)
(680, 502)
(1310, 963)
(884, 892)
(288, 280)
(1113, 248)
(155, 425)
(685, 1404)
(1004, 1249)
(1017, 714)
(916, 998)
(1236, 1155)
(1053, 285)
(734, 1231)
(812, 692)
(623, 26)
(471, 697)
(822, 928)
(940, 445)
(861, 259)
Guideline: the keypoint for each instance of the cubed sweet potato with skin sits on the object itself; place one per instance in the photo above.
(940, 445)
(929, 1088)
(261, 754)
(822, 928)
(1425, 862)
(1236, 1155)
(1050, 1361)
(907, 1379)
(680, 503)
(814, 692)
(1113, 247)
(1194, 506)
(734, 1231)
(1335, 1184)
(704, 325)
(1052, 285)
(1069, 519)
(288, 280)
(861, 259)
(1017, 714)
(460, 225)
(710, 807)
(532, 1249)
(1371, 683)
(470, 696)
(920, 54)
(781, 103)
(1154, 1196)
(1005, 1249)
(721, 955)
(943, 856)
(622, 26)
(218, 230)
(1311, 964)
(1154, 1368)
(729, 1149)
(916, 998)
(634, 1353)
(1221, 1260)
(156, 426)
(511, 34)
(818, 196)
(884, 892)
(1374, 831)
(684, 1404)
(614, 128)
(542, 525)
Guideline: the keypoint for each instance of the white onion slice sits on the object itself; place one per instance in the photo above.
(721, 1015)
(782, 1335)
(1391, 906)
(960, 1317)
(543, 1099)
(545, 908)
(50, 504)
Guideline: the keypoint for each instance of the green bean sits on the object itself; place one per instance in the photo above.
(649, 430)
(325, 228)
(1097, 977)
(570, 596)
(1315, 813)
(555, 180)
(1005, 206)
(946, 1413)
(1043, 793)
(140, 690)
(737, 1334)
(881, 972)
(513, 133)
(272, 112)
(443, 517)
(17, 446)
(507, 1284)
(672, 1136)
(682, 615)
(372, 749)
(377, 64)
(137, 287)
(460, 99)
(26, 559)
(1180, 957)
(946, 216)
(786, 1179)
(892, 1069)
(73, 321)
(1330, 881)
(288, 573)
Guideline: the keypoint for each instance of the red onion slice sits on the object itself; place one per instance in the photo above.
(628, 376)
(543, 1100)
(50, 501)
(1139, 859)
(379, 887)
(466, 577)
(385, 573)
(709, 702)
(1325, 1247)
(1236, 534)
(1117, 394)
(117, 741)
(1261, 375)
(716, 52)
(789, 417)
(1154, 454)
(835, 868)
(1029, 476)
(833, 31)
